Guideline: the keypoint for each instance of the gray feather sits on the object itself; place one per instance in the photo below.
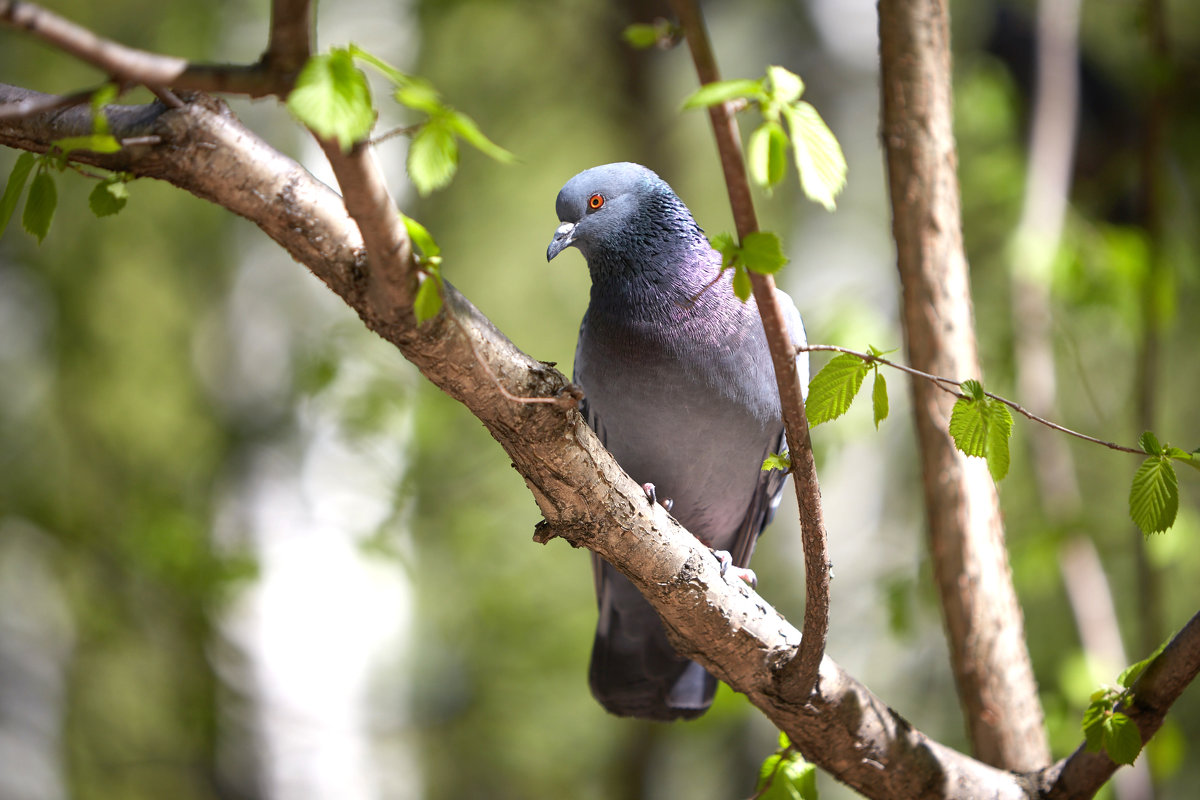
(679, 385)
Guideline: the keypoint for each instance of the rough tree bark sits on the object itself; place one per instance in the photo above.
(352, 243)
(983, 620)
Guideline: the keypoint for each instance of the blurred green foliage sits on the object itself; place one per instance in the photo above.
(124, 422)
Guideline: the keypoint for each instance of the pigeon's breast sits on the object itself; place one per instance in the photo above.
(689, 408)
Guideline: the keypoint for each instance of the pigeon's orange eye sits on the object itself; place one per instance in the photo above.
(595, 201)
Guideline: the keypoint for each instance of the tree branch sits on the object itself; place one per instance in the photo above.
(783, 357)
(945, 385)
(130, 65)
(1081, 774)
(984, 625)
(290, 42)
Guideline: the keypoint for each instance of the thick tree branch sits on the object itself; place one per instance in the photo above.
(783, 357)
(1081, 774)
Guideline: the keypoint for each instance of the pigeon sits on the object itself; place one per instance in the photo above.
(678, 385)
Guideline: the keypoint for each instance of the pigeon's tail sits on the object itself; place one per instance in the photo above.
(635, 672)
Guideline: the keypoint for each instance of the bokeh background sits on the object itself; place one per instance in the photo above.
(247, 552)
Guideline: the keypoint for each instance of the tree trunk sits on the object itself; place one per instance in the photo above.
(983, 619)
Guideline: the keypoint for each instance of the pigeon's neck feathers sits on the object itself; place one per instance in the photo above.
(660, 250)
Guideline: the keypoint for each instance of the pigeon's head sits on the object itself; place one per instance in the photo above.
(613, 210)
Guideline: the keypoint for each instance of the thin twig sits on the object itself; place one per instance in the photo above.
(803, 670)
(45, 103)
(403, 130)
(945, 385)
(129, 64)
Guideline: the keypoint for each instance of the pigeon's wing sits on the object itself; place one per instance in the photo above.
(767, 495)
(769, 490)
(634, 670)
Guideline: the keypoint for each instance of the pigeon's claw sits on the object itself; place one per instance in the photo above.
(652, 496)
(727, 568)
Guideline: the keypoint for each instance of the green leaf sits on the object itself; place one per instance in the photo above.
(1149, 443)
(416, 93)
(108, 197)
(766, 154)
(14, 187)
(428, 301)
(1000, 425)
(1122, 741)
(981, 427)
(640, 35)
(421, 239)
(333, 99)
(100, 98)
(40, 205)
(1093, 722)
(786, 777)
(433, 156)
(384, 68)
(780, 461)
(723, 91)
(724, 244)
(1154, 495)
(762, 252)
(832, 390)
(819, 158)
(1134, 671)
(741, 283)
(786, 86)
(1192, 459)
(967, 426)
(419, 95)
(465, 127)
(879, 398)
(96, 143)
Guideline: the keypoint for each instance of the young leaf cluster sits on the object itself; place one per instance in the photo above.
(428, 301)
(816, 152)
(1104, 727)
(107, 198)
(1154, 494)
(780, 461)
(981, 426)
(834, 387)
(785, 775)
(333, 98)
(760, 252)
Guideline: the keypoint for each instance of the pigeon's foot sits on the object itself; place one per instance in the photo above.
(727, 568)
(652, 496)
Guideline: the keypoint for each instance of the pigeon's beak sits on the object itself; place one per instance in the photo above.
(564, 237)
